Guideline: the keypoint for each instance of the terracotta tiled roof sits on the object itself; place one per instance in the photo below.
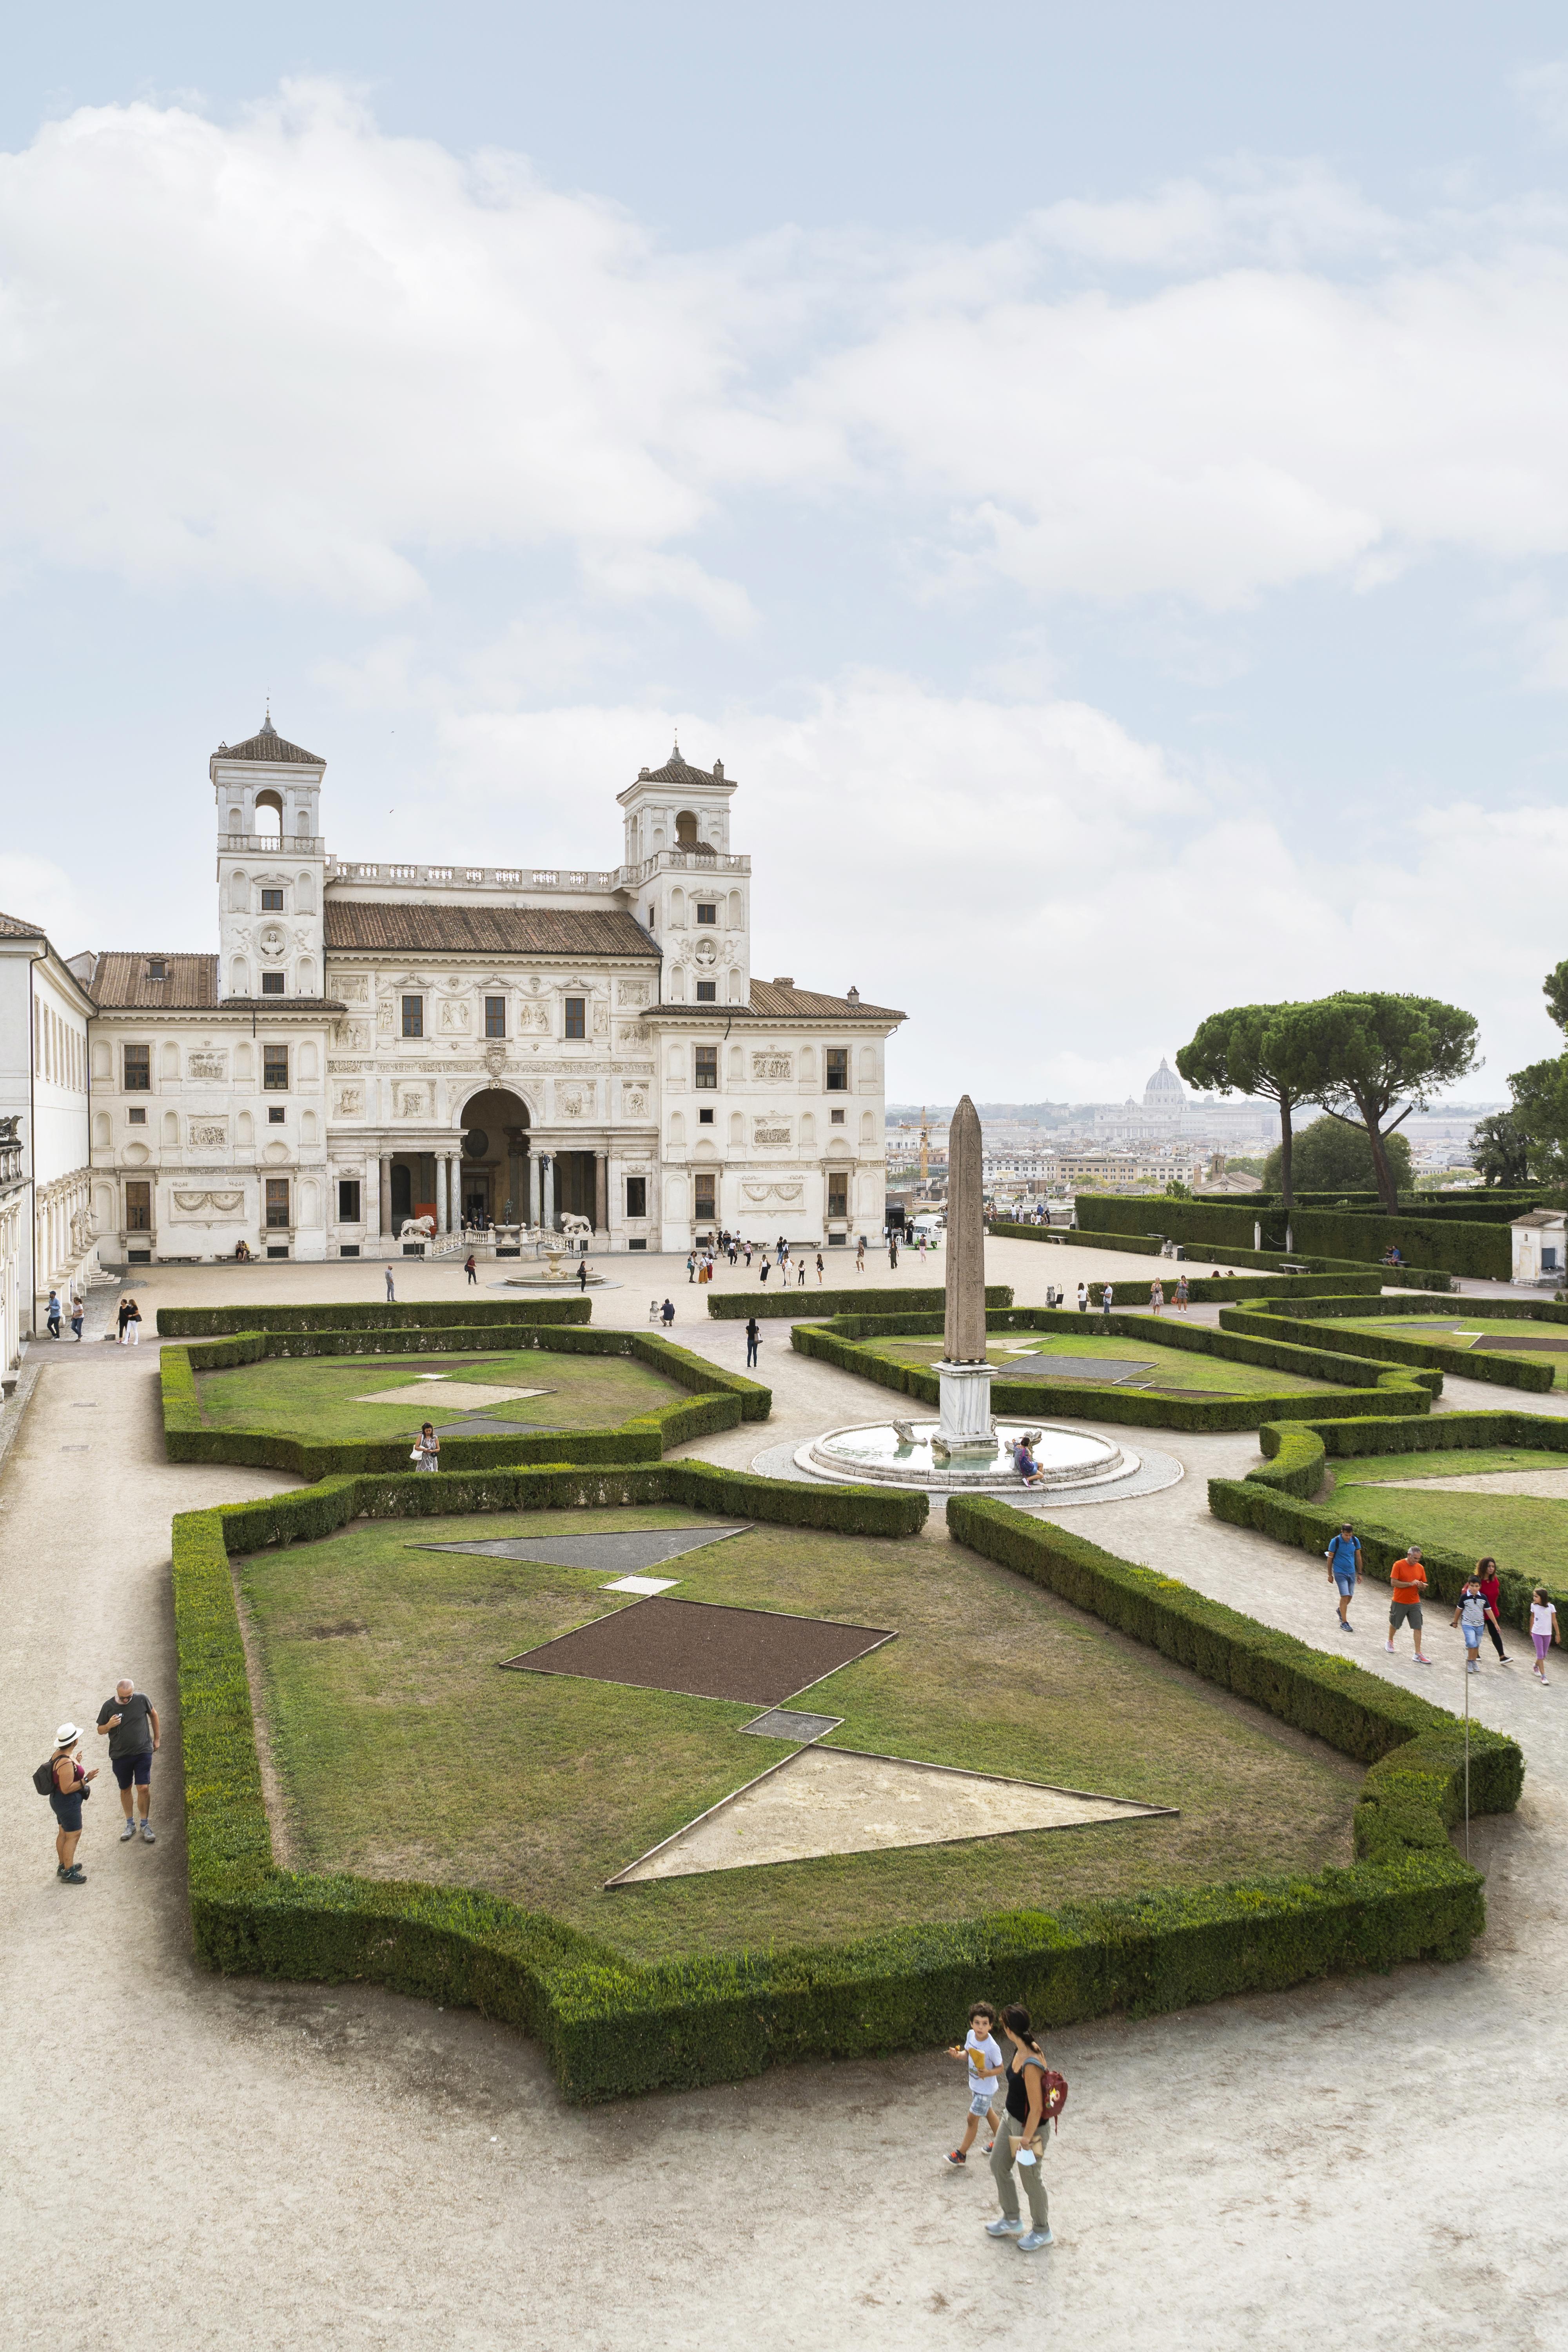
(267, 744)
(779, 999)
(121, 981)
(13, 929)
(408, 927)
(677, 771)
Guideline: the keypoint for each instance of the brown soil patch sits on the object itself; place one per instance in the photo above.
(703, 1651)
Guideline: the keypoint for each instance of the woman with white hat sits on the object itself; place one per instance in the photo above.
(67, 1798)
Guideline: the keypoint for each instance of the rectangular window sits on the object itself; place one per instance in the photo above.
(707, 991)
(157, 969)
(838, 1193)
(276, 1115)
(837, 1060)
(275, 1069)
(707, 914)
(703, 1187)
(413, 1016)
(576, 1017)
(704, 1118)
(277, 1204)
(495, 1016)
(271, 983)
(272, 902)
(137, 1115)
(836, 1117)
(637, 1196)
(139, 1070)
(348, 1200)
(707, 1061)
(138, 1205)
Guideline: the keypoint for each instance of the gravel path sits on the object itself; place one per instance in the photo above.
(237, 2164)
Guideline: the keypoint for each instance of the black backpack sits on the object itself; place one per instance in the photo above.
(44, 1778)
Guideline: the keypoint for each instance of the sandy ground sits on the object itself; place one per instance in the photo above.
(1368, 2163)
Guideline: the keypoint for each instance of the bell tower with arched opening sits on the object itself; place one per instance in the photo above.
(271, 867)
(684, 883)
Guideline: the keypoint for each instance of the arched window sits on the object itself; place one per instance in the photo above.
(239, 893)
(269, 815)
(808, 1133)
(686, 830)
(308, 1131)
(306, 979)
(171, 1131)
(737, 912)
(678, 1130)
(737, 1131)
(734, 988)
(678, 910)
(239, 977)
(868, 1129)
(102, 1133)
(808, 1066)
(245, 1131)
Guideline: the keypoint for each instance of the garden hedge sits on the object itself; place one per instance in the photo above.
(1469, 1363)
(369, 1315)
(1389, 1393)
(1147, 1244)
(611, 2028)
(728, 1305)
(1463, 1247)
(722, 1398)
(1276, 1497)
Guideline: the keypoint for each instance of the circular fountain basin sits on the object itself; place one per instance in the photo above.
(875, 1452)
(567, 1279)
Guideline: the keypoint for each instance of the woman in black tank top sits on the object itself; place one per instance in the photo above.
(1021, 2140)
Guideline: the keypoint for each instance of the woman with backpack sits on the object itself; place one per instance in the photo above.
(67, 1789)
(1033, 2094)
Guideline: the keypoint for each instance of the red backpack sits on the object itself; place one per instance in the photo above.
(1055, 2095)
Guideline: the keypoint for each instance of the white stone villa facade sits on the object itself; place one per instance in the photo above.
(499, 1046)
(45, 1231)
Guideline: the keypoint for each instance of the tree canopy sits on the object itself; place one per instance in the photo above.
(1380, 1051)
(1258, 1049)
(1500, 1145)
(1333, 1157)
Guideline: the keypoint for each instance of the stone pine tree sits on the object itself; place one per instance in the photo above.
(1258, 1049)
(1384, 1055)
(1532, 1137)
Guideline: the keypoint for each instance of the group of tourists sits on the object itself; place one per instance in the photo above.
(129, 1721)
(1476, 1613)
(53, 1315)
(1021, 2099)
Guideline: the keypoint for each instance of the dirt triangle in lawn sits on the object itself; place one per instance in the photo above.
(618, 1552)
(831, 1801)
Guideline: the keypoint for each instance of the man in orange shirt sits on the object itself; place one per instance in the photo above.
(1408, 1579)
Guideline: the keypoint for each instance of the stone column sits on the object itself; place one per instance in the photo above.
(601, 1191)
(385, 1210)
(516, 1152)
(548, 1204)
(535, 1162)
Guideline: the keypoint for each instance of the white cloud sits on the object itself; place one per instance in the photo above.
(1053, 902)
(1542, 91)
(36, 890)
(293, 352)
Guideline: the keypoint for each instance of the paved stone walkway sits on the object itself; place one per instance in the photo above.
(1370, 2163)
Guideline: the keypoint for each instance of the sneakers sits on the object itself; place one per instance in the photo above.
(1035, 2239)
(128, 1831)
(957, 2156)
(149, 1834)
(1389, 1647)
(1345, 1625)
(1003, 2228)
(74, 1876)
(1421, 1661)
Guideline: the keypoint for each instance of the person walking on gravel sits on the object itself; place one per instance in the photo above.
(1107, 1300)
(1180, 1294)
(1083, 1299)
(68, 1792)
(52, 1314)
(1408, 1579)
(1470, 1616)
(1542, 1628)
(78, 1316)
(130, 1723)
(753, 1341)
(427, 1450)
(1021, 2141)
(1487, 1576)
(1344, 1556)
(1157, 1296)
(471, 1269)
(984, 2054)
(391, 1293)
(861, 1255)
(130, 1325)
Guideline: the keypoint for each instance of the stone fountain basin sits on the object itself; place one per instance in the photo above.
(873, 1452)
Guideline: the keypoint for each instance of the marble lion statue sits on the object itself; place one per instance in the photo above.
(417, 1229)
(578, 1228)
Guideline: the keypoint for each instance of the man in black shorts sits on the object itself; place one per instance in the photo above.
(130, 1721)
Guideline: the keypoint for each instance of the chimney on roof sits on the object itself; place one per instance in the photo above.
(784, 980)
(853, 996)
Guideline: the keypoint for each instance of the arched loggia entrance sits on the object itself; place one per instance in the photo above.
(494, 1171)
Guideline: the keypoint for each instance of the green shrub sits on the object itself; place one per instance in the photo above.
(1503, 1372)
(731, 1305)
(1461, 1246)
(1147, 1244)
(369, 1315)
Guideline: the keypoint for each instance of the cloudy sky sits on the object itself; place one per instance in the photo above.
(1099, 478)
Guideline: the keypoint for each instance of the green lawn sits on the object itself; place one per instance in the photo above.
(1427, 1327)
(1525, 1533)
(1173, 1367)
(316, 1397)
(402, 1751)
(1465, 1462)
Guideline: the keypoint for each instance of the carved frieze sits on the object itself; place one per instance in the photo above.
(772, 1068)
(773, 1132)
(207, 1133)
(207, 1070)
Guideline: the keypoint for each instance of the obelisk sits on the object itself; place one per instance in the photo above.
(965, 1372)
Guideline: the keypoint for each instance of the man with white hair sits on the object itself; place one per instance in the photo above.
(130, 1722)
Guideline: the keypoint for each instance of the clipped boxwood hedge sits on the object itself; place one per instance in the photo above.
(369, 1315)
(1381, 1393)
(1462, 1246)
(1471, 1364)
(1275, 1498)
(610, 2026)
(731, 1306)
(1147, 1244)
(721, 1400)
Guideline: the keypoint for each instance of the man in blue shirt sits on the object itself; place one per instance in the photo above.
(1344, 1556)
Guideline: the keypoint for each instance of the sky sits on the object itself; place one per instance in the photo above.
(1097, 477)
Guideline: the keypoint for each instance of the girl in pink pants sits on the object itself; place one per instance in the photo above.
(1542, 1628)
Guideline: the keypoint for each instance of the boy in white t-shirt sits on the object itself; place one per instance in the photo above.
(984, 2054)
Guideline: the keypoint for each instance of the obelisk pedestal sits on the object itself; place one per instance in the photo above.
(964, 1373)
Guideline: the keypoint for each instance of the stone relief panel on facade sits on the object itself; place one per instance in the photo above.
(575, 1101)
(784, 1195)
(772, 1132)
(225, 1203)
(351, 987)
(412, 1101)
(770, 1069)
(457, 1015)
(632, 991)
(634, 1102)
(206, 1068)
(205, 1134)
(348, 1102)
